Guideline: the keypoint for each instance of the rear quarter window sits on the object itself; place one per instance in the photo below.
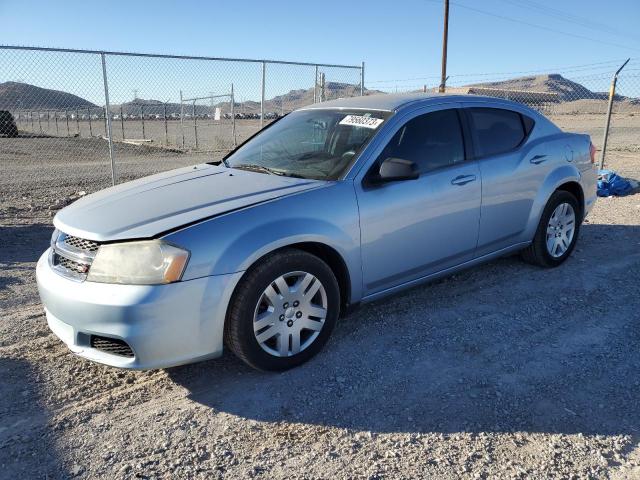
(497, 130)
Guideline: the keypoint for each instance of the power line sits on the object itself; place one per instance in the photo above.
(568, 17)
(541, 27)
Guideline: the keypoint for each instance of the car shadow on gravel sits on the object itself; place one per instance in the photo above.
(23, 243)
(501, 347)
(26, 443)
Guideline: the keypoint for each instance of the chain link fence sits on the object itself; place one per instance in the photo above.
(170, 111)
(163, 111)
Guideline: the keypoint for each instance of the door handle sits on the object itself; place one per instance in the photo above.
(463, 179)
(538, 159)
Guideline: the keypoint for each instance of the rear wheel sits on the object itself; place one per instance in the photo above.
(557, 231)
(283, 311)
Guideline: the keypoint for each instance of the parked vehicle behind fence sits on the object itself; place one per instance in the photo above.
(336, 204)
(8, 125)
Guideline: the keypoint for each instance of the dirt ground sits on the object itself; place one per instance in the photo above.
(211, 134)
(503, 371)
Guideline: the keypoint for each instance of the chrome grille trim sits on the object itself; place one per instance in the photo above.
(78, 249)
(71, 257)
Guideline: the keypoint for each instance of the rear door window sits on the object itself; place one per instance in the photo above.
(496, 130)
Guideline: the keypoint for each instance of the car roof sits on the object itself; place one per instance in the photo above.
(394, 101)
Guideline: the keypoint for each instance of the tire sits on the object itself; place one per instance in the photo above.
(538, 253)
(265, 316)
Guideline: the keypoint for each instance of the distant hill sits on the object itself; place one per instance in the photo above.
(299, 98)
(566, 89)
(281, 103)
(23, 96)
(16, 95)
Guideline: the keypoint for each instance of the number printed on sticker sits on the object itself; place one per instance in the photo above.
(361, 121)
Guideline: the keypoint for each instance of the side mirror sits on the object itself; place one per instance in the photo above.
(394, 169)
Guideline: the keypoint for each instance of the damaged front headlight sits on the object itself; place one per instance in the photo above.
(149, 262)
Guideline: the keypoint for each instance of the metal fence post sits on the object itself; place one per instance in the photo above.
(362, 80)
(182, 118)
(39, 123)
(264, 73)
(106, 101)
(78, 121)
(90, 126)
(56, 119)
(144, 133)
(106, 129)
(122, 122)
(166, 127)
(612, 93)
(315, 86)
(66, 117)
(233, 117)
(195, 123)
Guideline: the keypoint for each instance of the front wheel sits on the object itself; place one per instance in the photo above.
(283, 311)
(557, 231)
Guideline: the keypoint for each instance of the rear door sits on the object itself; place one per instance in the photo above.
(511, 173)
(413, 228)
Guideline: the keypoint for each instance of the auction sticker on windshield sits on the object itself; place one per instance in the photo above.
(361, 121)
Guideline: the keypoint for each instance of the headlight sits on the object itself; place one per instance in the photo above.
(149, 262)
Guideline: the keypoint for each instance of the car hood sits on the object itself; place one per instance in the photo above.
(152, 205)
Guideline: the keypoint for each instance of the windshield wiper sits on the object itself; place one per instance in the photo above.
(271, 171)
(252, 167)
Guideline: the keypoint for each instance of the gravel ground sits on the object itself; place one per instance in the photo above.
(503, 371)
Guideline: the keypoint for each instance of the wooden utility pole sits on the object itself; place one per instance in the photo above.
(445, 35)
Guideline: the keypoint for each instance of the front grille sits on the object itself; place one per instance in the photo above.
(70, 265)
(114, 346)
(72, 256)
(81, 244)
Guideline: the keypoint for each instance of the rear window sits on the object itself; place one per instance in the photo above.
(496, 130)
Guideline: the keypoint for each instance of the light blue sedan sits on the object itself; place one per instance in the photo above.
(334, 205)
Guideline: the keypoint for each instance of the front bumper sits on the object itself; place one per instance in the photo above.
(165, 325)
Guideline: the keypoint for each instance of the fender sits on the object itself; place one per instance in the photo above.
(273, 236)
(559, 176)
(233, 242)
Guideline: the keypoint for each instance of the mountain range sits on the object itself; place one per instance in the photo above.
(15, 95)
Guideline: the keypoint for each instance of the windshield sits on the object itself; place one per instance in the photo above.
(318, 144)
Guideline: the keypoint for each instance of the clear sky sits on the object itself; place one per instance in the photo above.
(399, 40)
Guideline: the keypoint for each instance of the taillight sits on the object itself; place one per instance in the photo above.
(592, 152)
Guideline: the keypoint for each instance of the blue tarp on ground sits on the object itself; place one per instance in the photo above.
(612, 184)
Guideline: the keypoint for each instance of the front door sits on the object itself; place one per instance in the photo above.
(413, 228)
